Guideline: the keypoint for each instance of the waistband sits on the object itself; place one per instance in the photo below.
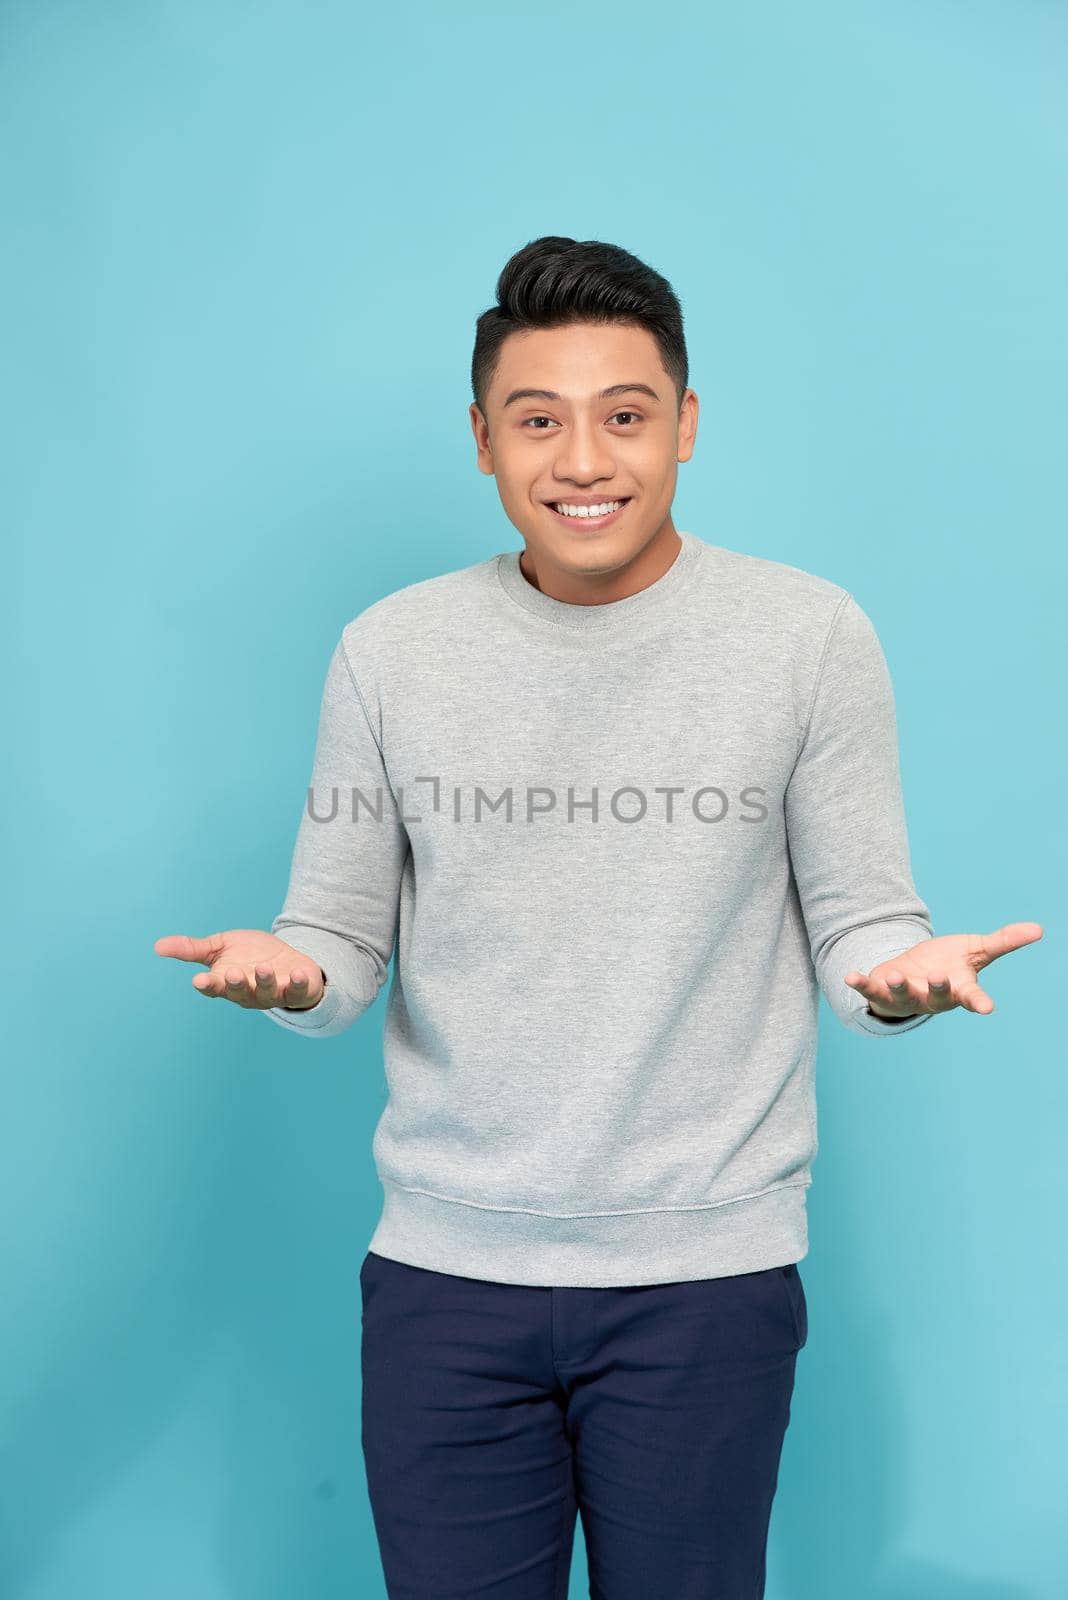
(629, 1248)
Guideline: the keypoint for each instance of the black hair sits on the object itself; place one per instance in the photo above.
(554, 281)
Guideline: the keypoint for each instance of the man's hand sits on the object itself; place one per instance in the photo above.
(939, 974)
(252, 968)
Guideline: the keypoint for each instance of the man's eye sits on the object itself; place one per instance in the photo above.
(635, 414)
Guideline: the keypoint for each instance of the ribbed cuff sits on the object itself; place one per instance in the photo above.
(858, 950)
(337, 1010)
(872, 1024)
(861, 1017)
(313, 1019)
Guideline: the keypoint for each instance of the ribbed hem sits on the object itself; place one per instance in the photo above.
(613, 612)
(620, 1249)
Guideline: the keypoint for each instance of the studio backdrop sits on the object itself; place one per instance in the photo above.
(244, 250)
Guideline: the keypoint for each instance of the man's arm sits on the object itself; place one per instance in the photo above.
(344, 883)
(846, 828)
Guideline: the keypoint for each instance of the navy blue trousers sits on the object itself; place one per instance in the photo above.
(494, 1413)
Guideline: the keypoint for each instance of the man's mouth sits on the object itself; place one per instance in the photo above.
(578, 515)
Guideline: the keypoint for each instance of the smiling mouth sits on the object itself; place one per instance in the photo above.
(579, 517)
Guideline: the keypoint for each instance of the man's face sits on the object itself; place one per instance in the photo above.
(583, 445)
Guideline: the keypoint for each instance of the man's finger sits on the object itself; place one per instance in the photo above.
(266, 987)
(183, 947)
(974, 998)
(237, 984)
(1013, 936)
(296, 991)
(885, 994)
(867, 987)
(901, 990)
(213, 983)
(940, 994)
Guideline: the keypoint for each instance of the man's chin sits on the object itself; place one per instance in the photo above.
(583, 557)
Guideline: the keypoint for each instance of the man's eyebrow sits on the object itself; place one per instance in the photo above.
(605, 394)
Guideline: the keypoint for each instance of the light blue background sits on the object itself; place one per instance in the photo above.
(245, 247)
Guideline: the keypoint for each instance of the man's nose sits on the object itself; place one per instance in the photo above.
(584, 455)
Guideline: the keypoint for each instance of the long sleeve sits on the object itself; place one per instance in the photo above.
(846, 826)
(344, 885)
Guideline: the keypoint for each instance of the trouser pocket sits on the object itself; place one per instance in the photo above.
(795, 1293)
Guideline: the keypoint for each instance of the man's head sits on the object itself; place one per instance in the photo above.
(574, 320)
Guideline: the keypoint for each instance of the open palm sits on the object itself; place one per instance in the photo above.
(252, 968)
(938, 974)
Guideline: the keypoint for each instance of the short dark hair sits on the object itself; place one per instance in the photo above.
(553, 281)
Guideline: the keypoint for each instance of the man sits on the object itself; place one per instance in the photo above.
(624, 803)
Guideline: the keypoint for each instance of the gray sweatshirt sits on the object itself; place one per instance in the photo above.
(618, 851)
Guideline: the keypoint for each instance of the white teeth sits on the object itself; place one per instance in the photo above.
(588, 511)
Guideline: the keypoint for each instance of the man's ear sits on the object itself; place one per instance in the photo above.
(480, 429)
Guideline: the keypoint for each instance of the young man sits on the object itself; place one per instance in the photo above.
(624, 804)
